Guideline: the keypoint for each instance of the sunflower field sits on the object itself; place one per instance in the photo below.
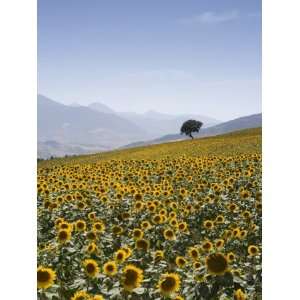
(180, 220)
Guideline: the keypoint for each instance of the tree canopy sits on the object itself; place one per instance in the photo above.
(190, 126)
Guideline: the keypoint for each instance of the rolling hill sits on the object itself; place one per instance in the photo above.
(251, 121)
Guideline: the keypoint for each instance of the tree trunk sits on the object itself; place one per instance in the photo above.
(191, 136)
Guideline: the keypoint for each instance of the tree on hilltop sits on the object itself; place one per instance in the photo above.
(190, 126)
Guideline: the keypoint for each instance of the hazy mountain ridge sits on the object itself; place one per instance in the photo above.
(77, 129)
(73, 125)
(157, 124)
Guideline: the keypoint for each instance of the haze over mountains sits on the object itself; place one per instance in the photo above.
(76, 129)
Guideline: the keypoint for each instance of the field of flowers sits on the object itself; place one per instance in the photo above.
(173, 221)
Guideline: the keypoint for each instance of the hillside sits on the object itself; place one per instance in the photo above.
(252, 121)
(245, 141)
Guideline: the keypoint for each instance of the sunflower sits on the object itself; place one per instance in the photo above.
(220, 219)
(138, 197)
(243, 234)
(246, 214)
(193, 253)
(230, 257)
(117, 230)
(97, 297)
(98, 227)
(142, 244)
(91, 267)
(137, 233)
(219, 243)
(157, 219)
(80, 225)
(169, 234)
(178, 298)
(58, 221)
(132, 277)
(92, 248)
(239, 295)
(138, 205)
(207, 246)
(110, 268)
(172, 214)
(146, 225)
(92, 216)
(66, 225)
(182, 226)
(236, 232)
(253, 250)
(216, 264)
(120, 256)
(63, 236)
(45, 277)
(169, 283)
(159, 255)
(245, 194)
(81, 295)
(196, 265)
(180, 261)
(208, 224)
(232, 207)
(81, 205)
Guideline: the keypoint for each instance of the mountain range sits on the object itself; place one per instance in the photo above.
(77, 129)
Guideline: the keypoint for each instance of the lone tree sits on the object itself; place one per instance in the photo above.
(190, 126)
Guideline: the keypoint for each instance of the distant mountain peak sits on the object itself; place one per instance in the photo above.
(100, 107)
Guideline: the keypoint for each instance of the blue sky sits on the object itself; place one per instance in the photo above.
(173, 56)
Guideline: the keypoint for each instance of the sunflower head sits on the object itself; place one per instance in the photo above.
(142, 244)
(182, 226)
(169, 283)
(63, 236)
(92, 248)
(80, 225)
(120, 256)
(110, 268)
(158, 255)
(196, 265)
(253, 250)
(137, 233)
(45, 277)
(207, 246)
(98, 226)
(219, 244)
(169, 234)
(230, 257)
(117, 230)
(146, 225)
(208, 224)
(239, 295)
(91, 267)
(180, 261)
(97, 297)
(132, 277)
(216, 264)
(193, 253)
(81, 295)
